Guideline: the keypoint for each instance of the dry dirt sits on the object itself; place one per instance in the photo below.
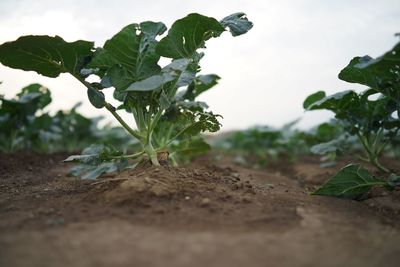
(213, 213)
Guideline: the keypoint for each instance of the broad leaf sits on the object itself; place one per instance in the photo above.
(46, 55)
(187, 35)
(333, 102)
(129, 55)
(237, 23)
(373, 72)
(351, 181)
(311, 99)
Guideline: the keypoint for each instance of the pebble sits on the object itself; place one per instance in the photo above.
(205, 202)
(235, 175)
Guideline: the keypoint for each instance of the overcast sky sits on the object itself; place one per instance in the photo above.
(295, 48)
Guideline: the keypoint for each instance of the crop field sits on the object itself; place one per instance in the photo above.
(166, 188)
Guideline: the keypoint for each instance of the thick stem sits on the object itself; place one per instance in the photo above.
(151, 152)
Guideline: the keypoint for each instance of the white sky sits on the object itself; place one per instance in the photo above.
(295, 48)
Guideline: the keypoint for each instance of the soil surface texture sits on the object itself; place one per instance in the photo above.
(210, 213)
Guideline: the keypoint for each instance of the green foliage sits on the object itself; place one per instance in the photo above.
(49, 56)
(371, 120)
(25, 125)
(158, 97)
(367, 115)
(96, 160)
(351, 181)
(263, 144)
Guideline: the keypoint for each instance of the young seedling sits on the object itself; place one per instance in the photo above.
(128, 62)
(369, 115)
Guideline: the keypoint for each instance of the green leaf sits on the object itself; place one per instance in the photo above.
(351, 181)
(96, 98)
(46, 55)
(91, 172)
(311, 99)
(96, 160)
(333, 102)
(187, 35)
(31, 99)
(200, 84)
(130, 56)
(45, 98)
(189, 148)
(169, 73)
(237, 23)
(373, 72)
(327, 147)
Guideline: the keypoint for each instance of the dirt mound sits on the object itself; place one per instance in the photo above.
(167, 183)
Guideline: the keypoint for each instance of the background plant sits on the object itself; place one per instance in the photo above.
(372, 116)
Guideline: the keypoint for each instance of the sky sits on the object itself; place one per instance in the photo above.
(294, 49)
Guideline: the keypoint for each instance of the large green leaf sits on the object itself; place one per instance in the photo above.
(373, 72)
(187, 35)
(351, 181)
(333, 102)
(237, 23)
(129, 56)
(46, 55)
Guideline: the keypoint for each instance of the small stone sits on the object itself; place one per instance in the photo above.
(205, 202)
(235, 175)
(270, 186)
(187, 198)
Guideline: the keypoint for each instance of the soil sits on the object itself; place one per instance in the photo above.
(211, 213)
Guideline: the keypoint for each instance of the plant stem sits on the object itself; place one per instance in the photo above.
(372, 156)
(110, 108)
(129, 156)
(376, 163)
(151, 152)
